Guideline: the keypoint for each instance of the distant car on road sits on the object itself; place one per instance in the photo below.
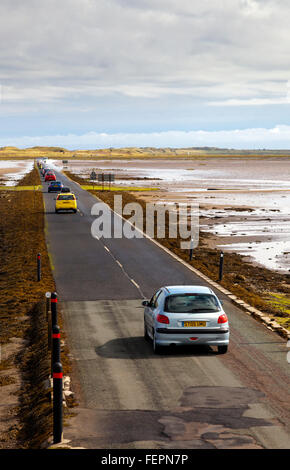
(50, 177)
(66, 202)
(55, 186)
(65, 189)
(184, 315)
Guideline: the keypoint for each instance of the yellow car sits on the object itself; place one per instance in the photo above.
(66, 202)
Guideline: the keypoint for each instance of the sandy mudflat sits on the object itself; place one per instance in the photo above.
(11, 171)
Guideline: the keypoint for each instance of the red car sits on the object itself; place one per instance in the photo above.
(50, 177)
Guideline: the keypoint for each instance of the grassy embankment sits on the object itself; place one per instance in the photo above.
(261, 288)
(27, 422)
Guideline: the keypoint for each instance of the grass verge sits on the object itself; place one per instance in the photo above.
(25, 415)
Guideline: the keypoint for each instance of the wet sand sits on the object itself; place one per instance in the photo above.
(12, 171)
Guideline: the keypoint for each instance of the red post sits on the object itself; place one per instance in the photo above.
(55, 344)
(57, 402)
(53, 302)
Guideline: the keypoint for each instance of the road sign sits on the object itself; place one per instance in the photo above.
(109, 177)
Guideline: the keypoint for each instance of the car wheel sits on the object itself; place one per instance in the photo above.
(156, 347)
(75, 211)
(56, 211)
(222, 349)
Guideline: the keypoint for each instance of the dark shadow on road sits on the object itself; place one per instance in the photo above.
(138, 348)
(60, 213)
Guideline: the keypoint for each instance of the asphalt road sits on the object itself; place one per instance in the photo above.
(130, 398)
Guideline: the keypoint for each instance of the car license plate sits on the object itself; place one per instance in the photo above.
(194, 323)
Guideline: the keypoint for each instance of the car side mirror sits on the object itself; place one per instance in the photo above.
(221, 301)
(145, 303)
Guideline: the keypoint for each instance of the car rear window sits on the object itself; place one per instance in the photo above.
(191, 303)
(66, 197)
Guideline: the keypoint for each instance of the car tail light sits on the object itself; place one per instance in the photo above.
(162, 319)
(222, 318)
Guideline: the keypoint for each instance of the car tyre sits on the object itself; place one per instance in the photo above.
(56, 211)
(156, 347)
(146, 336)
(222, 349)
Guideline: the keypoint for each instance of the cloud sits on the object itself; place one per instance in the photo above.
(181, 59)
(255, 138)
(119, 44)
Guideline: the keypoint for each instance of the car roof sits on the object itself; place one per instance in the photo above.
(68, 194)
(188, 290)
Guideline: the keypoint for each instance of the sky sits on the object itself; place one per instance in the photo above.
(164, 73)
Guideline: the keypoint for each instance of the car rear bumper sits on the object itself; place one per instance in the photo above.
(201, 331)
(69, 208)
(210, 336)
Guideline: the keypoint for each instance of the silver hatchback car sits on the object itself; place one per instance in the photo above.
(182, 315)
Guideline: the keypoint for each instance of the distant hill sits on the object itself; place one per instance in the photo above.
(135, 152)
(9, 148)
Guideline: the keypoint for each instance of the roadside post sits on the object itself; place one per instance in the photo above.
(93, 176)
(101, 179)
(106, 179)
(53, 302)
(38, 267)
(191, 249)
(47, 304)
(109, 177)
(57, 402)
(221, 266)
(55, 344)
(48, 319)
